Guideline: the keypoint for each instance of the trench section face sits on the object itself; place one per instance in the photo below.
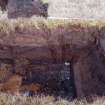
(40, 73)
(56, 79)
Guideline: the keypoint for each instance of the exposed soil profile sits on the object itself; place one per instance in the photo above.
(62, 60)
(38, 76)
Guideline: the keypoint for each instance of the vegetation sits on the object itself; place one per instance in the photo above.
(7, 99)
(39, 22)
